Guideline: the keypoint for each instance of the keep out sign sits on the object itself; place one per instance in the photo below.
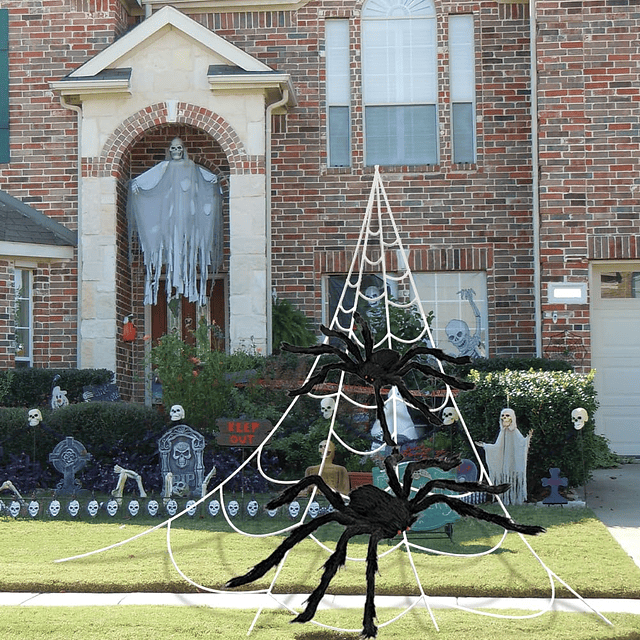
(242, 433)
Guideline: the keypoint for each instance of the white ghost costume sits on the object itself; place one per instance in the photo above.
(176, 207)
(507, 459)
(396, 412)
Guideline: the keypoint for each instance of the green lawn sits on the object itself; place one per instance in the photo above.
(577, 547)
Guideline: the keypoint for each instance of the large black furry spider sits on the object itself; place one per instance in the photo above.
(380, 368)
(380, 515)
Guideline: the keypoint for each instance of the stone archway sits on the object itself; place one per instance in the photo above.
(102, 204)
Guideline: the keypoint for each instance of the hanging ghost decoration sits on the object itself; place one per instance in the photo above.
(176, 208)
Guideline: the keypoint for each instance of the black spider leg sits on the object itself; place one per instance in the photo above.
(369, 629)
(446, 464)
(336, 560)
(469, 510)
(424, 408)
(297, 535)
(458, 487)
(419, 350)
(350, 344)
(390, 463)
(452, 381)
(318, 378)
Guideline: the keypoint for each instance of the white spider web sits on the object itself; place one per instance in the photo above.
(379, 244)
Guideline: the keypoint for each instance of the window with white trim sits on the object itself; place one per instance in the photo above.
(23, 318)
(338, 93)
(399, 82)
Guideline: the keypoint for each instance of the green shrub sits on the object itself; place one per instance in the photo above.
(542, 401)
(290, 325)
(32, 387)
(486, 365)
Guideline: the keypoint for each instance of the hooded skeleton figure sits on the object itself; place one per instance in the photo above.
(176, 209)
(507, 458)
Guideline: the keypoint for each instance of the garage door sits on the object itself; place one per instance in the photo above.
(615, 338)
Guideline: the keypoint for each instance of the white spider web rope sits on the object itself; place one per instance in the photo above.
(379, 235)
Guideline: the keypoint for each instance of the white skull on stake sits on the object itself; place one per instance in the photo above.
(449, 415)
(327, 407)
(579, 417)
(176, 413)
(35, 417)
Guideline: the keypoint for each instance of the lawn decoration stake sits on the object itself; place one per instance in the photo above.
(372, 511)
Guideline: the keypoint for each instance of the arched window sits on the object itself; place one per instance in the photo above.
(399, 82)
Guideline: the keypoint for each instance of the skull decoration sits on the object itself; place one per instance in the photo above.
(176, 150)
(112, 507)
(252, 508)
(314, 509)
(73, 508)
(176, 412)
(34, 417)
(191, 508)
(92, 508)
(214, 508)
(294, 509)
(327, 407)
(152, 508)
(134, 508)
(272, 512)
(233, 507)
(458, 333)
(172, 507)
(14, 509)
(579, 417)
(54, 508)
(34, 508)
(449, 415)
(508, 419)
(182, 454)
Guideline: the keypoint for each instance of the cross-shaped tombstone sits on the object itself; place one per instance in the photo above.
(555, 481)
(69, 456)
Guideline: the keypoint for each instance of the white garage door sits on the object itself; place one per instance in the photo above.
(615, 339)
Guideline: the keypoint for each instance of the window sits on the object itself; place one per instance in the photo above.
(23, 317)
(463, 83)
(399, 88)
(458, 300)
(4, 85)
(338, 93)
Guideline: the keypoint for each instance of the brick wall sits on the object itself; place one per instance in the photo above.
(47, 40)
(589, 93)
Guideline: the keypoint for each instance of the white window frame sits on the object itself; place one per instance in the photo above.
(338, 88)
(19, 299)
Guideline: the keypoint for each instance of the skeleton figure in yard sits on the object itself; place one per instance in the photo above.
(176, 207)
(374, 512)
(123, 475)
(459, 333)
(507, 458)
(380, 368)
(579, 417)
(334, 475)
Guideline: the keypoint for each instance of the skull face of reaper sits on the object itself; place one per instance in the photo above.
(176, 412)
(176, 150)
(182, 454)
(508, 419)
(35, 417)
(579, 417)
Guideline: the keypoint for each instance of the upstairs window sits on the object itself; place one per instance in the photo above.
(399, 71)
(338, 93)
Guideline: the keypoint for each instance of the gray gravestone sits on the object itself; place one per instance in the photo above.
(69, 456)
(181, 454)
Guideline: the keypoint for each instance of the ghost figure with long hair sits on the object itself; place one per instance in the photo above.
(507, 458)
(176, 207)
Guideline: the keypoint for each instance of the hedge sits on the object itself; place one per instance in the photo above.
(542, 401)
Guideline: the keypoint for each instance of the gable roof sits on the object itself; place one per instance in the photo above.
(168, 16)
(22, 225)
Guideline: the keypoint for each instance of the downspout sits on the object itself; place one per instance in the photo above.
(78, 111)
(535, 179)
(267, 142)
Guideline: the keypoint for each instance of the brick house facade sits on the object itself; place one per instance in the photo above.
(535, 247)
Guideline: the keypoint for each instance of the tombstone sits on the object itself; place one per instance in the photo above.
(555, 482)
(181, 454)
(69, 457)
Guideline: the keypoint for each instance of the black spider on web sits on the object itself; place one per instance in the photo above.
(380, 368)
(380, 515)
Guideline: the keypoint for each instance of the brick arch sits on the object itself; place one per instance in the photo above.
(108, 164)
